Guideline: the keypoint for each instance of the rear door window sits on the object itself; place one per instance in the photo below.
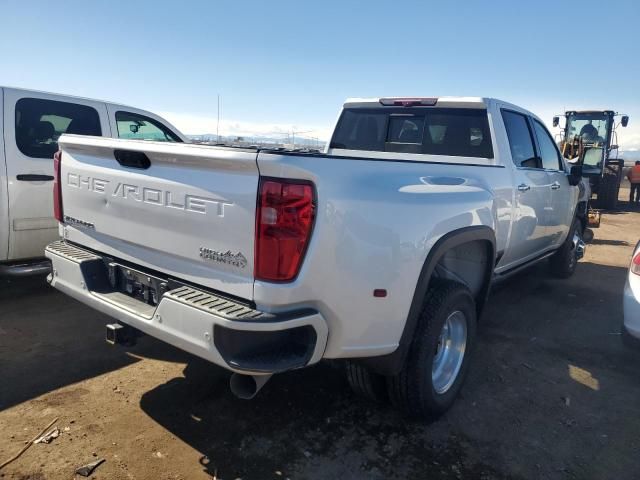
(134, 126)
(432, 131)
(520, 140)
(39, 124)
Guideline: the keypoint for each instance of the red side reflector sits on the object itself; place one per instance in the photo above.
(57, 186)
(379, 293)
(408, 102)
(284, 220)
(635, 264)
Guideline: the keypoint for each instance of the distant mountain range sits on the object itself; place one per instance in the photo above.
(300, 142)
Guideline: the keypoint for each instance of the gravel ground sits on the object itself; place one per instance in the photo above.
(552, 393)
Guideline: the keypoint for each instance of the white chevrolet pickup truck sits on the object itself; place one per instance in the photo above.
(380, 251)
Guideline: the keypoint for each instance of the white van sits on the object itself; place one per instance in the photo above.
(30, 124)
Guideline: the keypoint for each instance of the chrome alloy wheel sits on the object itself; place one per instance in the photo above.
(450, 351)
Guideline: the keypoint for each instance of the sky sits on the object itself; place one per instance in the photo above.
(280, 66)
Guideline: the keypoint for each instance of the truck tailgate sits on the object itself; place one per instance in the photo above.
(190, 214)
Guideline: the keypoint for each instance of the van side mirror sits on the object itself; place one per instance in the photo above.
(556, 121)
(624, 121)
(575, 175)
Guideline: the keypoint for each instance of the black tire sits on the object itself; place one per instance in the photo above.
(412, 390)
(609, 189)
(564, 262)
(366, 383)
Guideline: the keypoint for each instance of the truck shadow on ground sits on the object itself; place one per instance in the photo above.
(304, 424)
(542, 341)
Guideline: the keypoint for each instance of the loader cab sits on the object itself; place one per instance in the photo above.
(587, 139)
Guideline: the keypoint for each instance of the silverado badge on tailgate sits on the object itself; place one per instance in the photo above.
(229, 258)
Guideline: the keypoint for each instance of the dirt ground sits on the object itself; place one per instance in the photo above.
(552, 393)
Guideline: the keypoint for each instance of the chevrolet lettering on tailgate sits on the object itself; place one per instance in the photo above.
(152, 196)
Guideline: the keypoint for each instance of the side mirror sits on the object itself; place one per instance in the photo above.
(575, 175)
(624, 121)
(556, 121)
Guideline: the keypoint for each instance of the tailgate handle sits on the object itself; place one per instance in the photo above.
(129, 158)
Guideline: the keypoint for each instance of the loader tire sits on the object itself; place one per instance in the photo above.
(609, 189)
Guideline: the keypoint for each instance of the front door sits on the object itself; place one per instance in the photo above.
(32, 124)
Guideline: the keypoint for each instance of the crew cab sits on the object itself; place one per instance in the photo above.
(30, 124)
(380, 251)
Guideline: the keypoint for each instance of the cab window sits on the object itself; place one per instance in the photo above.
(39, 124)
(133, 126)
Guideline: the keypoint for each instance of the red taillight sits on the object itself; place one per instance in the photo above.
(284, 220)
(635, 264)
(57, 186)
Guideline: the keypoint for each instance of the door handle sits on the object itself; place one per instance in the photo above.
(523, 187)
(34, 177)
(555, 185)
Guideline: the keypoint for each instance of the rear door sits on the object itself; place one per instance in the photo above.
(33, 122)
(529, 237)
(562, 195)
(186, 211)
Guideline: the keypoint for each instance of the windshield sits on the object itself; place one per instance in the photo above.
(590, 127)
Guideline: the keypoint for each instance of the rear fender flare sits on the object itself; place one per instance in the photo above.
(392, 363)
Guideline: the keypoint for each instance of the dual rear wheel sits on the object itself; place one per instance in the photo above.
(437, 360)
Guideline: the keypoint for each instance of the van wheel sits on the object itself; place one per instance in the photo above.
(438, 358)
(563, 263)
(366, 383)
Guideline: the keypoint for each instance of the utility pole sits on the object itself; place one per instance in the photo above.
(218, 123)
(293, 136)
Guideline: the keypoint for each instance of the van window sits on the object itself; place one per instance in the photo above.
(458, 132)
(39, 124)
(134, 126)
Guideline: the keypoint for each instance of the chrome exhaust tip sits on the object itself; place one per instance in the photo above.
(247, 386)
